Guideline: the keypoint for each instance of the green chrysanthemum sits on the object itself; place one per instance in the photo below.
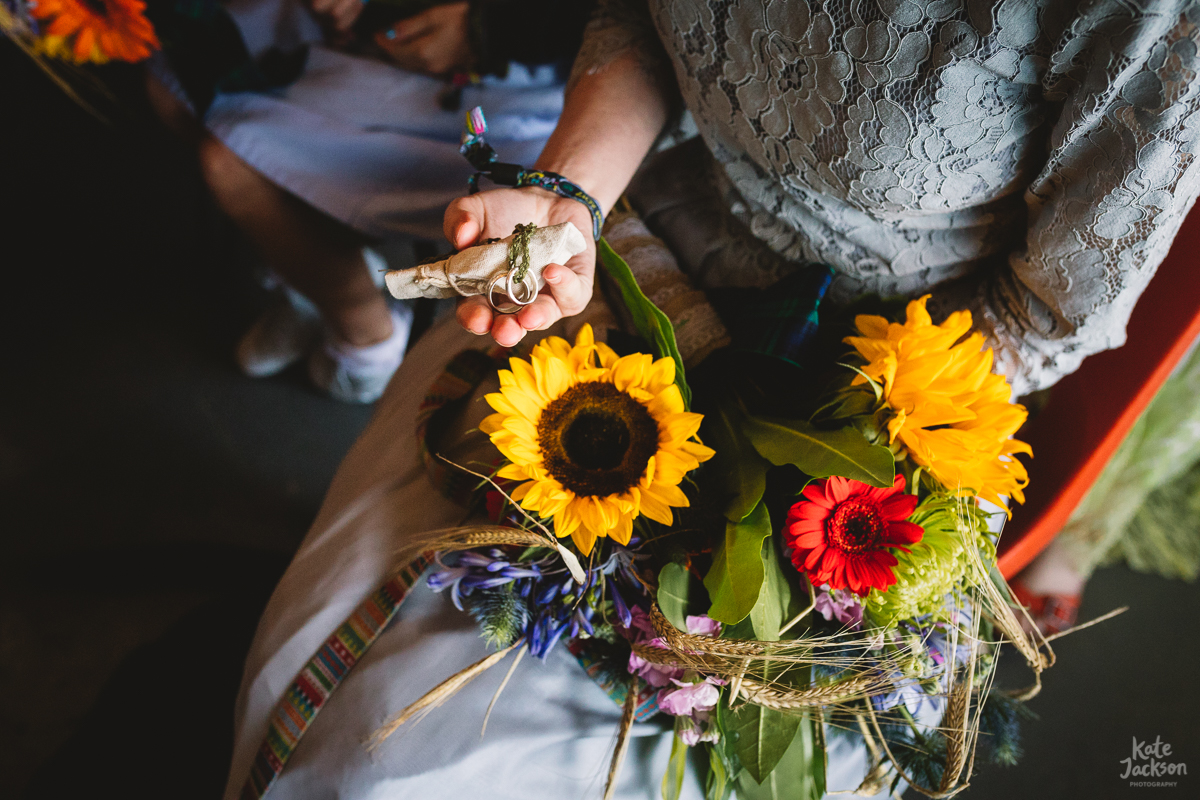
(936, 565)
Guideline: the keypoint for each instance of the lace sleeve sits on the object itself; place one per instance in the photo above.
(619, 27)
(1120, 177)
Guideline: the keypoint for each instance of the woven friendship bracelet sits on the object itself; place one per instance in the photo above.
(486, 162)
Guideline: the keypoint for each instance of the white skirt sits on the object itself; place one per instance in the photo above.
(367, 142)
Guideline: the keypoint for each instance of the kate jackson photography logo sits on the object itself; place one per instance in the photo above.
(1152, 761)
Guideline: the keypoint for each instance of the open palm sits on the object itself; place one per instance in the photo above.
(494, 214)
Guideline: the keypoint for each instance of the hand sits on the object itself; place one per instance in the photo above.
(434, 42)
(494, 214)
(336, 16)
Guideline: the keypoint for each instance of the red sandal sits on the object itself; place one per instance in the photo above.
(1052, 613)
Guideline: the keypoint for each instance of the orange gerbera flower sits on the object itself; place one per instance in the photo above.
(96, 30)
(950, 412)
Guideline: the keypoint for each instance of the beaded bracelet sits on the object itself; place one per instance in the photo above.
(486, 162)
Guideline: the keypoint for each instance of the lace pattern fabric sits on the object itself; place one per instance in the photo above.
(1032, 160)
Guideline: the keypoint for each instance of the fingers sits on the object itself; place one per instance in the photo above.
(540, 314)
(571, 290)
(463, 222)
(507, 331)
(474, 314)
(414, 55)
(341, 14)
(435, 42)
(558, 299)
(345, 14)
(408, 29)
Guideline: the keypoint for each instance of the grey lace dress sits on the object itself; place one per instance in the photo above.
(1029, 160)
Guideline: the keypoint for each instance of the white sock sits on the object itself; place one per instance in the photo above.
(379, 357)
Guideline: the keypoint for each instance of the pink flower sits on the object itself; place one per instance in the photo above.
(696, 728)
(657, 675)
(703, 626)
(689, 698)
(641, 631)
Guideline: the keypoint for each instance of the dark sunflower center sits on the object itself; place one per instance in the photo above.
(855, 527)
(97, 7)
(597, 440)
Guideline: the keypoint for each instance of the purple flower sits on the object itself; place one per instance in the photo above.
(476, 570)
(843, 606)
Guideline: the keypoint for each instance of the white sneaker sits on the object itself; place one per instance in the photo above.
(287, 331)
(360, 374)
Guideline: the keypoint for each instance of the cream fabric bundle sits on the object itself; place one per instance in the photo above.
(469, 271)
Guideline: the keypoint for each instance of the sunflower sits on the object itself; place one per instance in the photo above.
(597, 440)
(949, 411)
(95, 30)
(843, 531)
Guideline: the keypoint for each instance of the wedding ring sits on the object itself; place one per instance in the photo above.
(517, 299)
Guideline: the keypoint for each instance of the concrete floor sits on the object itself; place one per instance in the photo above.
(150, 495)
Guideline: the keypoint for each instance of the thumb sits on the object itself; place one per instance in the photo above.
(462, 223)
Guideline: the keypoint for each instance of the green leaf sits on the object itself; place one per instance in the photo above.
(740, 472)
(718, 785)
(651, 323)
(769, 611)
(848, 404)
(876, 386)
(761, 736)
(819, 453)
(672, 782)
(674, 590)
(737, 572)
(799, 774)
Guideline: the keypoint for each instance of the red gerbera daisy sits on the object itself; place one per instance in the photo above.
(840, 533)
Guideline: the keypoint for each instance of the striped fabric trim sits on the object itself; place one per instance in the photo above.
(647, 701)
(322, 674)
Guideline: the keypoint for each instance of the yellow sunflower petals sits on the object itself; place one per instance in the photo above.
(655, 508)
(950, 412)
(607, 355)
(512, 472)
(552, 369)
(584, 539)
(623, 531)
(679, 427)
(567, 520)
(698, 451)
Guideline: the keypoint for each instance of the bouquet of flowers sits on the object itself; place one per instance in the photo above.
(199, 39)
(810, 557)
(79, 31)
